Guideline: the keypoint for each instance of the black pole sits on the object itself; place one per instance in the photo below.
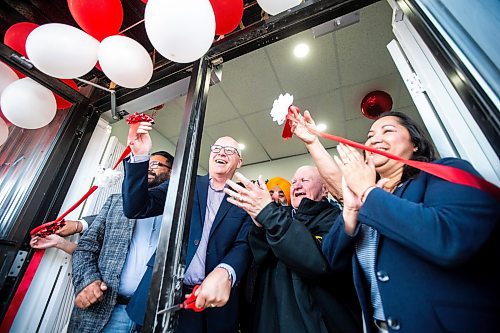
(169, 267)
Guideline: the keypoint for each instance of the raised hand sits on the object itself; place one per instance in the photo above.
(359, 175)
(300, 125)
(139, 139)
(252, 198)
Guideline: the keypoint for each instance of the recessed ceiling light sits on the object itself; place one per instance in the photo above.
(242, 146)
(321, 127)
(301, 50)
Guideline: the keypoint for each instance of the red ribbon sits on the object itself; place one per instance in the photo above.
(446, 172)
(287, 130)
(51, 227)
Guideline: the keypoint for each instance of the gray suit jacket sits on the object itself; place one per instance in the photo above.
(100, 255)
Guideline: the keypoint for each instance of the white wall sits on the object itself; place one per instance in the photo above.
(283, 168)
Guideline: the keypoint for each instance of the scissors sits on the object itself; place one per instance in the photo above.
(189, 303)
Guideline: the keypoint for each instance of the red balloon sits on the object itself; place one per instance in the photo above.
(61, 102)
(375, 103)
(99, 18)
(228, 14)
(15, 37)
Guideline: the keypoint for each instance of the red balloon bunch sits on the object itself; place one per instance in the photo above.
(228, 14)
(99, 18)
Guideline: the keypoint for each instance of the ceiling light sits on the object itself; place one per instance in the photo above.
(242, 146)
(321, 127)
(301, 50)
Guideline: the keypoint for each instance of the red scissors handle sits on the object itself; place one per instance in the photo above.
(190, 302)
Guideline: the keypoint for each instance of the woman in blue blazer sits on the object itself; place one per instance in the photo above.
(424, 250)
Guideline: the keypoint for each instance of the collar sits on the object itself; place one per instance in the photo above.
(213, 189)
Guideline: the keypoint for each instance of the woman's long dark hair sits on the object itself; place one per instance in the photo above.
(425, 151)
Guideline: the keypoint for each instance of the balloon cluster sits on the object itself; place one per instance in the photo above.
(181, 31)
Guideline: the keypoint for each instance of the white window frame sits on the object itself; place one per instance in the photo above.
(450, 124)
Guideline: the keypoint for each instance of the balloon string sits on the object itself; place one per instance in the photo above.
(133, 25)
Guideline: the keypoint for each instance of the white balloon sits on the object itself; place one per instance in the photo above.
(4, 132)
(7, 76)
(62, 51)
(274, 7)
(180, 30)
(28, 104)
(125, 61)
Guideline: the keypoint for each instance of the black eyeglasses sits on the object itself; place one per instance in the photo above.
(156, 165)
(227, 149)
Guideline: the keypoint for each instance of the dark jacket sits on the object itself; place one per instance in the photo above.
(296, 291)
(228, 240)
(437, 255)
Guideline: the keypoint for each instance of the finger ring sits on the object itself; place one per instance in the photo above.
(212, 305)
(241, 198)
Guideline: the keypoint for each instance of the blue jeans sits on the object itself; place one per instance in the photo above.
(119, 322)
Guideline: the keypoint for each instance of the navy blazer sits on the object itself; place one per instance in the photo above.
(228, 240)
(436, 261)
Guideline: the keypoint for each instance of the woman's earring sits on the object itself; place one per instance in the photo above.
(415, 149)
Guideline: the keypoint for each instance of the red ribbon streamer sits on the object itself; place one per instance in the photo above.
(43, 230)
(446, 172)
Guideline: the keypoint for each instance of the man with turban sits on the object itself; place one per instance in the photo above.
(279, 188)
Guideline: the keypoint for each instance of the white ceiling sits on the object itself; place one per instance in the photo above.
(341, 68)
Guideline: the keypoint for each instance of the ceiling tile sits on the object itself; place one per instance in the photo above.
(353, 95)
(168, 120)
(404, 97)
(315, 73)
(253, 152)
(362, 48)
(357, 129)
(326, 108)
(250, 83)
(219, 107)
(268, 135)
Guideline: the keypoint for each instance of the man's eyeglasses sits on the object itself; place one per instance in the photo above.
(156, 165)
(227, 149)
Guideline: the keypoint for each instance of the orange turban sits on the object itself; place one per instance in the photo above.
(283, 184)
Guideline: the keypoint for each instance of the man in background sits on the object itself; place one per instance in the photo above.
(111, 259)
